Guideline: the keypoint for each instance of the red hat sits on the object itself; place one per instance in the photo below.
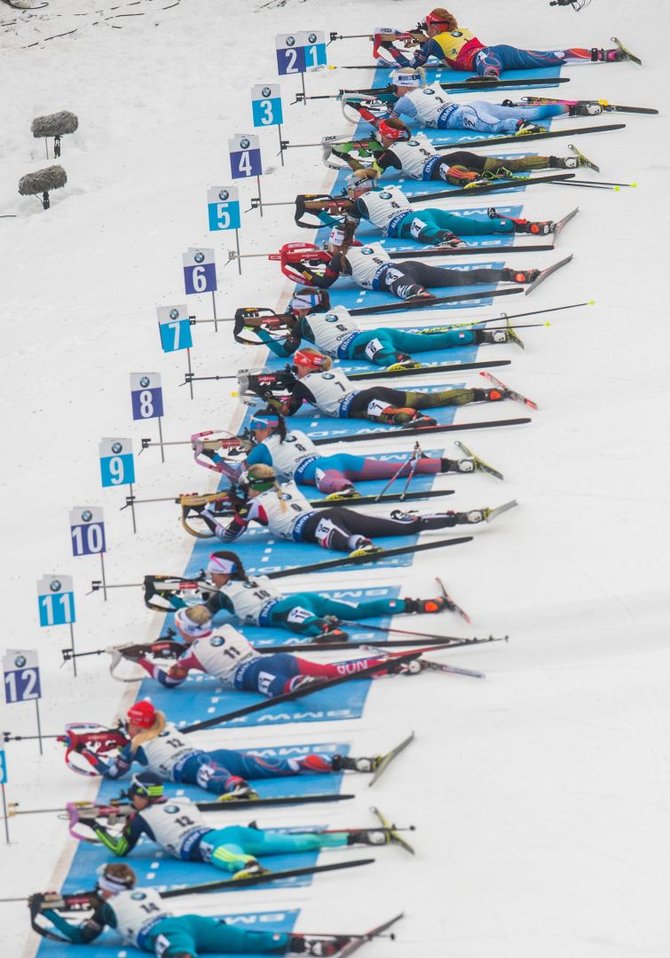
(142, 714)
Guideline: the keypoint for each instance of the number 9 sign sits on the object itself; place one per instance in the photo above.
(117, 465)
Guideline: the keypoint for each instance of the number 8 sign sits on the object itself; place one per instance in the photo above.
(146, 395)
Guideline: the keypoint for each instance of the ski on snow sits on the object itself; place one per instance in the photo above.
(386, 759)
(395, 838)
(359, 940)
(451, 604)
(480, 465)
(583, 159)
(512, 393)
(546, 273)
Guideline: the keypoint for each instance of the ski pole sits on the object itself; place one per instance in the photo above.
(397, 473)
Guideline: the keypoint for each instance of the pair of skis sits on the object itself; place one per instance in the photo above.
(605, 105)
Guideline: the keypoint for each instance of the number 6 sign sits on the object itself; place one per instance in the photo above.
(199, 271)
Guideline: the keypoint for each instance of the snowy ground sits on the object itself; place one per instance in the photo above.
(540, 795)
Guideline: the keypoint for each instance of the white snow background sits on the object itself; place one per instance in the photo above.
(540, 795)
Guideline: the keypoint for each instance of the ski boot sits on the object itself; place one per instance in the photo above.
(252, 869)
(493, 336)
(585, 109)
(448, 240)
(403, 415)
(490, 395)
(457, 465)
(425, 606)
(240, 789)
(607, 56)
(319, 947)
(330, 631)
(469, 518)
(521, 276)
(345, 763)
(411, 291)
(368, 836)
(526, 129)
(402, 361)
(366, 548)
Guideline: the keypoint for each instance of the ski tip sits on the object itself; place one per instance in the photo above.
(590, 302)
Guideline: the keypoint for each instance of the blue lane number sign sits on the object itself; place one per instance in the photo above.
(146, 395)
(3, 767)
(87, 531)
(266, 104)
(245, 156)
(199, 271)
(301, 51)
(174, 327)
(223, 208)
(21, 676)
(117, 463)
(55, 598)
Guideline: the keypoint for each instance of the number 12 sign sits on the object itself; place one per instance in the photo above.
(21, 675)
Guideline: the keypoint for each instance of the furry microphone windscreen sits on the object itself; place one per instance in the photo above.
(42, 181)
(55, 124)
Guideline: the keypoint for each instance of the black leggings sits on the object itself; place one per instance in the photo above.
(343, 529)
(407, 278)
(399, 398)
(490, 164)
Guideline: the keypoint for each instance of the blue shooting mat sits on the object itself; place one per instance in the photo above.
(108, 945)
